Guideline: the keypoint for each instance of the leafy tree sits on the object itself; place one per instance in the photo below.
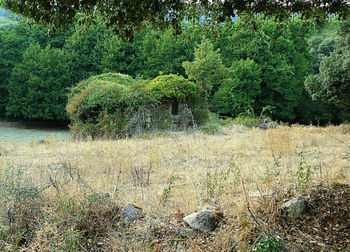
(13, 43)
(239, 93)
(162, 52)
(322, 43)
(332, 83)
(125, 16)
(37, 87)
(281, 52)
(207, 69)
(118, 56)
(85, 52)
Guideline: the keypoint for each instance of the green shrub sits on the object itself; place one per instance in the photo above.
(121, 79)
(173, 88)
(269, 244)
(168, 88)
(247, 121)
(213, 125)
(102, 105)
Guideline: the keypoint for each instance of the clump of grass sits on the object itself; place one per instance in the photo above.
(213, 126)
(154, 134)
(247, 121)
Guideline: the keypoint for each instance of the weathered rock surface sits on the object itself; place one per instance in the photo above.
(132, 213)
(205, 220)
(294, 207)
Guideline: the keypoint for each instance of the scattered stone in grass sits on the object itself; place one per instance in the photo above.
(206, 220)
(132, 213)
(181, 231)
(294, 207)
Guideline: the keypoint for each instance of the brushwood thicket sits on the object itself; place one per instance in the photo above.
(115, 105)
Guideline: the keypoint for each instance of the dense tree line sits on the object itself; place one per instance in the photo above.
(254, 65)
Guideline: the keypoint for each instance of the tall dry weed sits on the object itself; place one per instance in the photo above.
(165, 175)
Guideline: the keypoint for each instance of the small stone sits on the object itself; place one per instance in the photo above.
(181, 231)
(132, 213)
(205, 220)
(294, 207)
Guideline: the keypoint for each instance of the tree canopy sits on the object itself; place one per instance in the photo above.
(332, 83)
(247, 65)
(125, 16)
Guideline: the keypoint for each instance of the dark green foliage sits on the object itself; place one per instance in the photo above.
(239, 93)
(13, 43)
(322, 43)
(242, 66)
(12, 46)
(332, 83)
(37, 85)
(160, 52)
(209, 73)
(280, 51)
(119, 56)
(86, 52)
(207, 69)
(125, 16)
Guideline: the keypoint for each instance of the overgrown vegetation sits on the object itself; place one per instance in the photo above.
(239, 66)
(116, 106)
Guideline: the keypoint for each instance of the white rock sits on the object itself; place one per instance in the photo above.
(206, 220)
(294, 207)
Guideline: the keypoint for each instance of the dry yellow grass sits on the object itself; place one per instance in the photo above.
(204, 169)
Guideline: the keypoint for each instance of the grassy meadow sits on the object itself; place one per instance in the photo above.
(168, 175)
(21, 132)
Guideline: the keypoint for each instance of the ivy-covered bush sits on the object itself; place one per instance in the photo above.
(114, 105)
(101, 106)
(169, 88)
(179, 101)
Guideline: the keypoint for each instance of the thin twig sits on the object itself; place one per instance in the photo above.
(250, 212)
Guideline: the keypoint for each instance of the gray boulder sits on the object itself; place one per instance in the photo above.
(294, 207)
(205, 220)
(131, 213)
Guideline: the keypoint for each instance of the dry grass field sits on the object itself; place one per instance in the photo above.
(167, 176)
